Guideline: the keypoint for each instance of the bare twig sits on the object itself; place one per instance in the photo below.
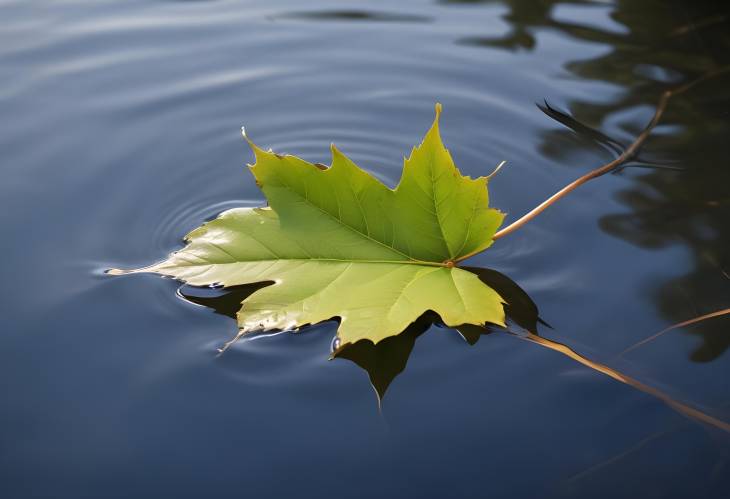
(680, 407)
(618, 457)
(676, 326)
(627, 155)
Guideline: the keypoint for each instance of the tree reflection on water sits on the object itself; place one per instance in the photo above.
(662, 45)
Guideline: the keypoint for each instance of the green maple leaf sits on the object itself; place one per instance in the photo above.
(336, 242)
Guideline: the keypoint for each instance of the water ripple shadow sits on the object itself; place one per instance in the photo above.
(352, 15)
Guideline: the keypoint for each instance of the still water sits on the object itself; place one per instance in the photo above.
(120, 133)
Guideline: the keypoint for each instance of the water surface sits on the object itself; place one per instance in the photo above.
(120, 133)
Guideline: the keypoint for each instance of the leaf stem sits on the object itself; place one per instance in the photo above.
(628, 154)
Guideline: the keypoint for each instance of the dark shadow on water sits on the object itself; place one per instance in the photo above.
(613, 146)
(223, 301)
(353, 15)
(386, 360)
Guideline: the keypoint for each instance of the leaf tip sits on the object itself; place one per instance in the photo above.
(499, 167)
(245, 137)
(117, 272)
(256, 149)
(435, 125)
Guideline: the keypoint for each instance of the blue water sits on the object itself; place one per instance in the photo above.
(120, 133)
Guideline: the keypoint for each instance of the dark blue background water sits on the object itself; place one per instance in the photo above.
(119, 132)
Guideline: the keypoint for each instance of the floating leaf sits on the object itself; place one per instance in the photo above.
(336, 242)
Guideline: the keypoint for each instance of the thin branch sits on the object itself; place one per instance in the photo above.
(627, 155)
(680, 407)
(618, 457)
(676, 326)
